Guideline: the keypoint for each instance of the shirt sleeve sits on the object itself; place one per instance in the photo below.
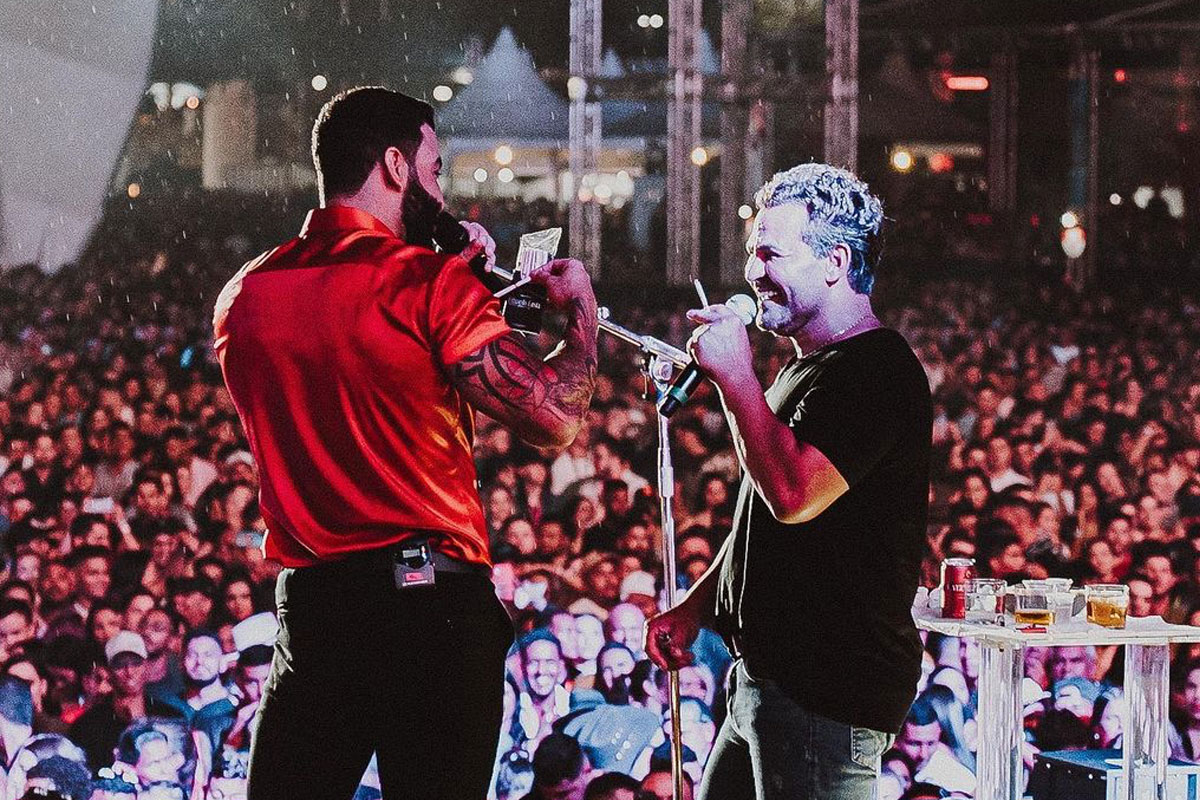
(854, 417)
(463, 315)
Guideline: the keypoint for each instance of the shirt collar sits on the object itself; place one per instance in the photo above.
(342, 218)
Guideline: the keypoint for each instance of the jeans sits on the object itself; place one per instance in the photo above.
(415, 675)
(769, 748)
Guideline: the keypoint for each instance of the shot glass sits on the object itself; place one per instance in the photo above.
(985, 600)
(1107, 604)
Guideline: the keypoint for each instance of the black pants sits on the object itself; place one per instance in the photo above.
(415, 675)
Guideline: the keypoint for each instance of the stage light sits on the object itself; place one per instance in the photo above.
(745, 211)
(503, 155)
(604, 193)
(941, 162)
(1074, 241)
(656, 20)
(967, 83)
(1069, 219)
(1115, 199)
(192, 102)
(480, 175)
(699, 156)
(442, 93)
(1120, 75)
(576, 87)
(644, 21)
(1142, 196)
(319, 82)
(505, 175)
(134, 191)
(1173, 197)
(902, 160)
(462, 76)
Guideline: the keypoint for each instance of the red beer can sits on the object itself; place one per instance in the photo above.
(955, 574)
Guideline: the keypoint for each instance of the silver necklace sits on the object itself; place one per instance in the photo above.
(849, 327)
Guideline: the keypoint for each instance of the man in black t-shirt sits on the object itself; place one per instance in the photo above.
(813, 587)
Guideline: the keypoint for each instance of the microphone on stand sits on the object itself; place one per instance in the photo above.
(680, 390)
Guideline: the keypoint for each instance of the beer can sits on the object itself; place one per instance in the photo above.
(955, 574)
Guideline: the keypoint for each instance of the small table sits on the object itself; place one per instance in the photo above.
(1000, 719)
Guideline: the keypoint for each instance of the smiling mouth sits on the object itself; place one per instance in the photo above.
(768, 293)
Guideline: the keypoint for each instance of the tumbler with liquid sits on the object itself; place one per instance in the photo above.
(1108, 604)
(1032, 606)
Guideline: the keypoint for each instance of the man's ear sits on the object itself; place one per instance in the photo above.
(395, 169)
(837, 263)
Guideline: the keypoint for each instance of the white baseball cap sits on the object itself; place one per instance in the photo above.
(255, 630)
(637, 583)
(124, 642)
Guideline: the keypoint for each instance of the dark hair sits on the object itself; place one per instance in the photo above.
(71, 780)
(558, 758)
(921, 712)
(9, 606)
(538, 635)
(105, 604)
(82, 554)
(199, 633)
(355, 128)
(84, 522)
(134, 738)
(604, 787)
(138, 591)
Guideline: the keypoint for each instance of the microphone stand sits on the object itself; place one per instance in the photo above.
(659, 362)
(666, 493)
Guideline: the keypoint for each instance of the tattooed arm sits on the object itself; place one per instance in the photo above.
(543, 402)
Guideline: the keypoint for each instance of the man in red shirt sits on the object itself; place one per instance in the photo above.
(355, 356)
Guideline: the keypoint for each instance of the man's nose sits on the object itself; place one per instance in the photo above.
(753, 269)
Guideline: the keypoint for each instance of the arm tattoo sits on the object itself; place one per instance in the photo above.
(509, 383)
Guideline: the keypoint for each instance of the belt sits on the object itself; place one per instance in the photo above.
(385, 557)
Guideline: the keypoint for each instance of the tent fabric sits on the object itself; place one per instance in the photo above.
(74, 72)
(507, 99)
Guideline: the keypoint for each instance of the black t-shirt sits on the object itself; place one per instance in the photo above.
(823, 608)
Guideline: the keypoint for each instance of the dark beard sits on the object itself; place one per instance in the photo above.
(417, 213)
(618, 693)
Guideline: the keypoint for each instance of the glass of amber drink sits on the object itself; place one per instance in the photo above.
(1107, 604)
(1031, 606)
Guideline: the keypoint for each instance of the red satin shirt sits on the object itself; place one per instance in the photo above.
(334, 348)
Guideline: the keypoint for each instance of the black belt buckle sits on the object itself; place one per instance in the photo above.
(413, 564)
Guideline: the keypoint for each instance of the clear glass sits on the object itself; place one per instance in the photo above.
(1107, 604)
(985, 600)
(1048, 584)
(1031, 606)
(1062, 603)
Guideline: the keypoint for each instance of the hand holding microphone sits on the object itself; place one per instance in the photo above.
(720, 350)
(479, 241)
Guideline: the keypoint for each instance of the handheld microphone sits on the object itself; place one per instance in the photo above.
(680, 390)
(452, 237)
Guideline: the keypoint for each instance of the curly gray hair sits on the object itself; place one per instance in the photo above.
(841, 210)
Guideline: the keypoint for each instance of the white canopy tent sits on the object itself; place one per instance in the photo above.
(74, 72)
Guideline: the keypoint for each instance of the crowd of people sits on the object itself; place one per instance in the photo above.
(136, 609)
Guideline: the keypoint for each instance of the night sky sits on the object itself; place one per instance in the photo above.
(423, 40)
